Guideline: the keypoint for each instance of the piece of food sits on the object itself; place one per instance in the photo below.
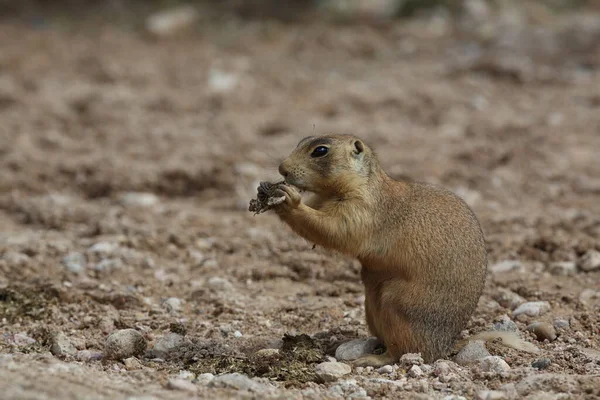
(266, 198)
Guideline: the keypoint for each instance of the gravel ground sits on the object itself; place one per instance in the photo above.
(131, 268)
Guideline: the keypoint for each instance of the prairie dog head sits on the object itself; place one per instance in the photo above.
(333, 164)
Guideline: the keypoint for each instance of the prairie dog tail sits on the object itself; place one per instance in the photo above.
(509, 339)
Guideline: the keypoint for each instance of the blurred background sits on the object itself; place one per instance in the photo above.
(134, 133)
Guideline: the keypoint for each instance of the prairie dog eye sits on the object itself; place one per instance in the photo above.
(319, 151)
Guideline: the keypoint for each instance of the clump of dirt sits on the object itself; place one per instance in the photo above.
(266, 198)
(294, 364)
(18, 303)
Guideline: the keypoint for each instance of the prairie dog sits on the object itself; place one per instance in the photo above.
(421, 247)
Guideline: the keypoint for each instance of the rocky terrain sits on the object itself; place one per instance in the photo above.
(130, 266)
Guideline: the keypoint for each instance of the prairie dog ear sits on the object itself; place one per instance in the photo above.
(359, 147)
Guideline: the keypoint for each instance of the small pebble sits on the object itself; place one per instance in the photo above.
(205, 379)
(415, 372)
(354, 349)
(437, 385)
(237, 334)
(507, 266)
(123, 344)
(172, 304)
(167, 344)
(182, 384)
(510, 390)
(139, 199)
(217, 283)
(61, 345)
(187, 375)
(427, 369)
(22, 339)
(106, 324)
(441, 368)
(237, 381)
(543, 331)
(222, 81)
(590, 261)
(172, 21)
(532, 309)
(411, 359)
(102, 248)
(505, 325)
(561, 323)
(508, 299)
(563, 268)
(87, 355)
(541, 363)
(537, 384)
(330, 359)
(348, 389)
(454, 397)
(267, 353)
(386, 369)
(451, 377)
(592, 354)
(491, 395)
(473, 352)
(132, 364)
(74, 262)
(16, 258)
(109, 264)
(494, 364)
(331, 371)
(225, 329)
(589, 297)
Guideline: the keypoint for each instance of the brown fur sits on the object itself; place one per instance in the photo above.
(421, 248)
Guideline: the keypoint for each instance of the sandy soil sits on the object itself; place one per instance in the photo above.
(136, 159)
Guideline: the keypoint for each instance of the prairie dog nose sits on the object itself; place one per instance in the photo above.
(283, 170)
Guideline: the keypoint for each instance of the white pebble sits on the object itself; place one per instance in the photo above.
(386, 369)
(532, 309)
(61, 345)
(221, 81)
(182, 384)
(331, 371)
(205, 379)
(102, 248)
(507, 266)
(354, 349)
(561, 323)
(218, 283)
(132, 364)
(563, 268)
(471, 353)
(590, 261)
(138, 199)
(589, 296)
(494, 364)
(415, 372)
(172, 304)
(508, 299)
(74, 262)
(167, 344)
(22, 339)
(491, 395)
(237, 381)
(183, 374)
(170, 22)
(505, 325)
